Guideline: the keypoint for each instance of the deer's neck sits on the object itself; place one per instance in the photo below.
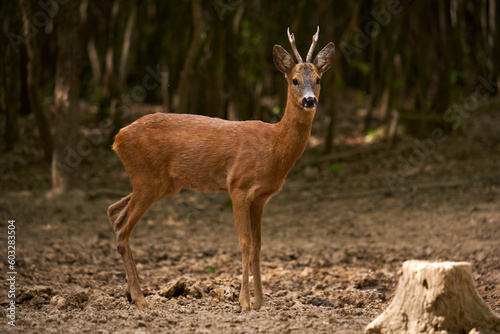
(292, 133)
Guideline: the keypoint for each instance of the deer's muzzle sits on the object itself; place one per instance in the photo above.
(309, 102)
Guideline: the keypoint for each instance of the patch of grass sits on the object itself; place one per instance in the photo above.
(360, 94)
(371, 133)
(334, 167)
(211, 269)
(228, 202)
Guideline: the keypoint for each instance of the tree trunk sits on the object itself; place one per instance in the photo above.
(95, 63)
(165, 97)
(189, 64)
(436, 297)
(10, 79)
(346, 36)
(33, 80)
(332, 123)
(68, 152)
(494, 44)
(443, 95)
(117, 77)
(127, 38)
(11, 87)
(376, 87)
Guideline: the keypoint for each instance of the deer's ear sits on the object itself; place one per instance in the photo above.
(282, 59)
(324, 59)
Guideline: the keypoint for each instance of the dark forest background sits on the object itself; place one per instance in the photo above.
(75, 71)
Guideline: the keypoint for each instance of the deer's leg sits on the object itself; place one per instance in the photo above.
(123, 222)
(256, 210)
(116, 209)
(241, 208)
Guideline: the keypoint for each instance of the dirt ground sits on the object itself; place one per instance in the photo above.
(334, 241)
(334, 238)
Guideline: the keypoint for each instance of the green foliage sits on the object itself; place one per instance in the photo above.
(360, 94)
(339, 83)
(94, 93)
(364, 67)
(148, 29)
(228, 202)
(455, 75)
(334, 167)
(398, 83)
(413, 56)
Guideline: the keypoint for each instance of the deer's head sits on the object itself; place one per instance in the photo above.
(304, 78)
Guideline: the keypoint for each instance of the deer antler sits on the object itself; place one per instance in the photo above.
(313, 45)
(291, 38)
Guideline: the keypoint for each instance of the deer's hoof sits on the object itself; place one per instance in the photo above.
(141, 304)
(258, 304)
(245, 305)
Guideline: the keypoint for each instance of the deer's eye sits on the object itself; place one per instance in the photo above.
(318, 81)
(295, 82)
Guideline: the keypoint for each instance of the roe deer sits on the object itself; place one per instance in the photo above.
(164, 153)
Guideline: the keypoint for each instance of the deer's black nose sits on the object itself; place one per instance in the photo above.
(309, 102)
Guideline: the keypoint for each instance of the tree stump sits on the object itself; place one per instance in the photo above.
(437, 297)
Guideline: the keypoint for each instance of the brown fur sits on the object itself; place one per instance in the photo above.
(164, 153)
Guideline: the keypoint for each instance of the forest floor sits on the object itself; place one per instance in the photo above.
(334, 240)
